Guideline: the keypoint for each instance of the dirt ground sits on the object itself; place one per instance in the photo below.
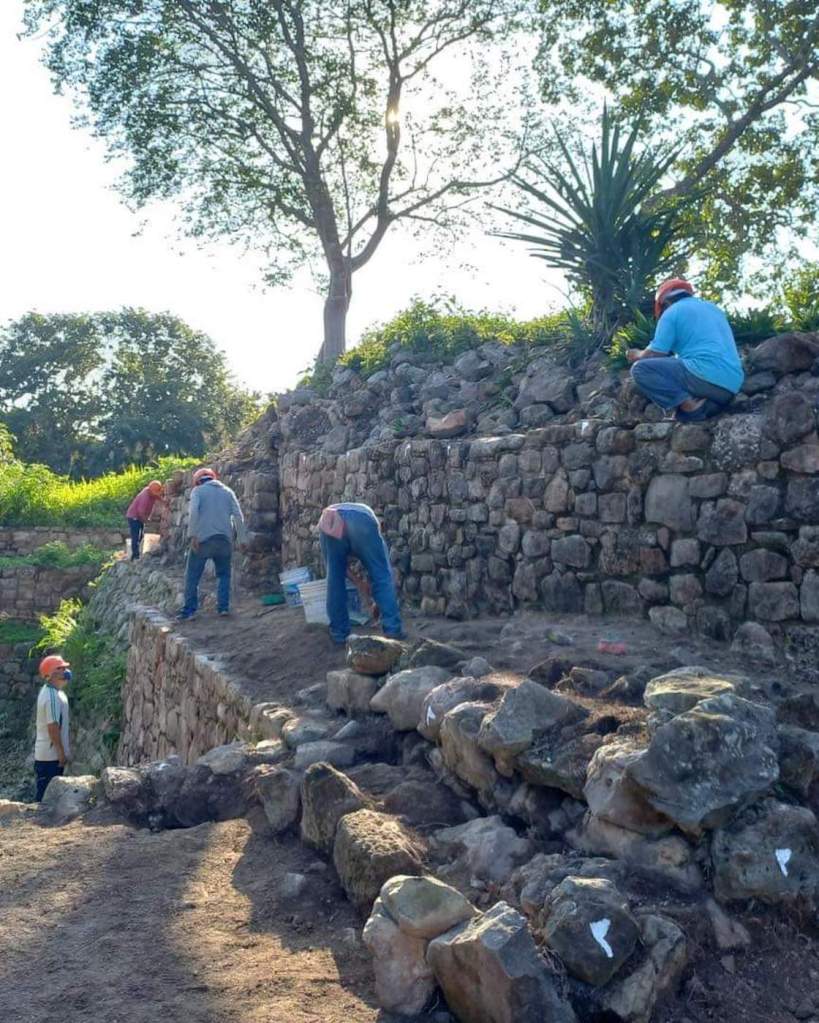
(273, 653)
(107, 924)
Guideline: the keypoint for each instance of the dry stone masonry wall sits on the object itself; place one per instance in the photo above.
(27, 539)
(696, 525)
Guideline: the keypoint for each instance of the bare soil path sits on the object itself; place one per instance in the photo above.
(106, 924)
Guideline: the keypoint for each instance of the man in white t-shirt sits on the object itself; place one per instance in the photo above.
(51, 747)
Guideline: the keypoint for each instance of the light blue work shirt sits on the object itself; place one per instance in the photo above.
(699, 334)
(214, 511)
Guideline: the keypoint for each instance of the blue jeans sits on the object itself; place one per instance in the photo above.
(218, 549)
(363, 540)
(666, 381)
(137, 529)
(44, 771)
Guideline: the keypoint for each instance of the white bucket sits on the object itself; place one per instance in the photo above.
(290, 581)
(314, 601)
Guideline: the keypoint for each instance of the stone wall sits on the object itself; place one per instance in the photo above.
(27, 591)
(696, 525)
(175, 699)
(18, 676)
(26, 539)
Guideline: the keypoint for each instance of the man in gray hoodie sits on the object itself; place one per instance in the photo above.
(214, 513)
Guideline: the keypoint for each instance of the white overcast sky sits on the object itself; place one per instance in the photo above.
(69, 245)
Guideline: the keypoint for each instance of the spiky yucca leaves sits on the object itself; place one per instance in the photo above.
(603, 222)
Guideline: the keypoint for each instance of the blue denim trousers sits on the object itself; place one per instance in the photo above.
(363, 540)
(137, 530)
(218, 549)
(666, 381)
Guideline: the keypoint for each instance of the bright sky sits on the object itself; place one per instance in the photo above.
(68, 245)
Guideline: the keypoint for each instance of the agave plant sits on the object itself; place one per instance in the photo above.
(603, 222)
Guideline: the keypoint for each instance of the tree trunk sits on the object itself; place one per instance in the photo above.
(336, 305)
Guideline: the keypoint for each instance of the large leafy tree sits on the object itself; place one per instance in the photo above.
(88, 393)
(307, 127)
(732, 82)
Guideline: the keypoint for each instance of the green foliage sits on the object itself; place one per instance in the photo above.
(56, 554)
(6, 445)
(13, 632)
(800, 291)
(755, 324)
(635, 334)
(32, 495)
(443, 331)
(307, 129)
(601, 222)
(85, 394)
(98, 668)
(715, 80)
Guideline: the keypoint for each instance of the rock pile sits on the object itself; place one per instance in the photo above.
(532, 846)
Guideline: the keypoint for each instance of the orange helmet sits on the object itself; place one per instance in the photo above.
(668, 288)
(50, 664)
(204, 473)
(155, 488)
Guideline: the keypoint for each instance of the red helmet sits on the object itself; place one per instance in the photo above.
(204, 473)
(666, 289)
(50, 664)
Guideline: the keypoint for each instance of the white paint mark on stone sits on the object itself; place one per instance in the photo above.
(430, 715)
(599, 929)
(783, 857)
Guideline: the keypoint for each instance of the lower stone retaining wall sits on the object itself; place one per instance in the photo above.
(175, 699)
(18, 677)
(25, 539)
(27, 591)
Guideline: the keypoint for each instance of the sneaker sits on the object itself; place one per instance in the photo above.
(184, 616)
(223, 614)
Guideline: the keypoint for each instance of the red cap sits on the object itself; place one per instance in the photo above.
(666, 288)
(50, 664)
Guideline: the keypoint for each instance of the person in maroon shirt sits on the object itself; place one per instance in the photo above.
(139, 511)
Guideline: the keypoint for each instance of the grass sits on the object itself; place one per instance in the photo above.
(58, 555)
(33, 495)
(13, 632)
(97, 666)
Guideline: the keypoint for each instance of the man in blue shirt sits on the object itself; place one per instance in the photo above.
(214, 515)
(692, 364)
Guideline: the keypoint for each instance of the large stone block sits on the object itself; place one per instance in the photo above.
(770, 852)
(589, 924)
(702, 764)
(402, 696)
(490, 972)
(668, 503)
(370, 848)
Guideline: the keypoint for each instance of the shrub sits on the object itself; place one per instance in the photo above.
(800, 291)
(443, 331)
(33, 495)
(97, 666)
